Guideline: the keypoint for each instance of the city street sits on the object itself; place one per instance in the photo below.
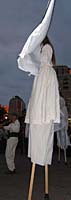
(15, 187)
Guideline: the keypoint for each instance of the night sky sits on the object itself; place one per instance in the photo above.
(18, 18)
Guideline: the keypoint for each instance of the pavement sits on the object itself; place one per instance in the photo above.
(15, 187)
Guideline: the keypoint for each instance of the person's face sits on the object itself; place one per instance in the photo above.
(10, 117)
(14, 118)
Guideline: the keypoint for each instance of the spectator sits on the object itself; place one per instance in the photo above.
(62, 134)
(13, 131)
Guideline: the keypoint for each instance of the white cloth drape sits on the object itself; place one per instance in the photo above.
(29, 58)
(43, 110)
(44, 101)
(41, 143)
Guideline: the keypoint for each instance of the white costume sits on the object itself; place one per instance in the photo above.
(12, 142)
(62, 135)
(43, 110)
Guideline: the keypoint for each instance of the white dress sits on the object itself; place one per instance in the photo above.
(43, 111)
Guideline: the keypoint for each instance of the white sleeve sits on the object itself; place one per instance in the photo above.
(13, 127)
(7, 127)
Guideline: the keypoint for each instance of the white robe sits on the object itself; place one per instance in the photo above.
(43, 110)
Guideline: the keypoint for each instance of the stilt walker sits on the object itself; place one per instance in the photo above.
(37, 57)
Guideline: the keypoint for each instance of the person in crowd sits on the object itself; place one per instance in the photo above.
(12, 140)
(62, 129)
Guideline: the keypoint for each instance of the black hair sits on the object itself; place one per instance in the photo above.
(13, 114)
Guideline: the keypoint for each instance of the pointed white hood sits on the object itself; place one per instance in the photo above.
(28, 58)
